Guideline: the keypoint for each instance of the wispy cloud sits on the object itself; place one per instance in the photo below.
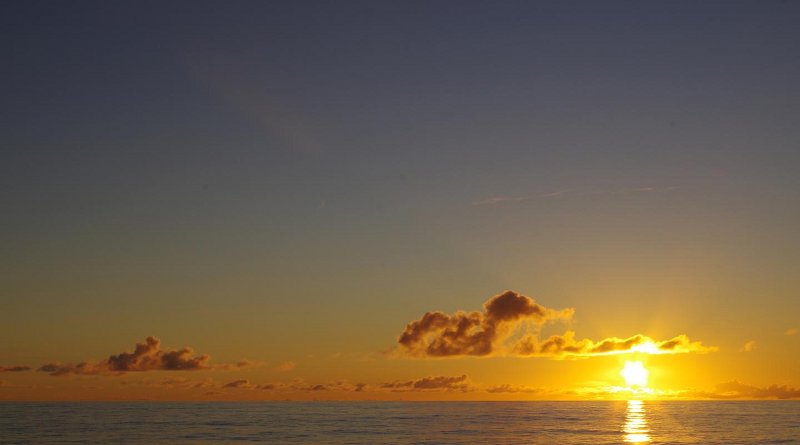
(749, 346)
(494, 200)
(499, 200)
(507, 388)
(286, 366)
(792, 331)
(506, 199)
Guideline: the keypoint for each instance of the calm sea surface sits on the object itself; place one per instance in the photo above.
(595, 423)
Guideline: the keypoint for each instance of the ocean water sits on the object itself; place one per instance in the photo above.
(596, 423)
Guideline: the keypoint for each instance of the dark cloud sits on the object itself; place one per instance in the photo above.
(297, 385)
(14, 368)
(59, 369)
(438, 383)
(241, 383)
(437, 334)
(147, 356)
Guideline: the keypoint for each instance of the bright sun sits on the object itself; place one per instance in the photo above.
(635, 374)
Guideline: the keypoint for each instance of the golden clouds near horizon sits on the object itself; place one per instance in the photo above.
(510, 324)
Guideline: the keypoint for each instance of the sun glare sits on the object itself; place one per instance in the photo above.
(635, 374)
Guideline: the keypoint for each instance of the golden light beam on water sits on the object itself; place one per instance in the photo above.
(635, 428)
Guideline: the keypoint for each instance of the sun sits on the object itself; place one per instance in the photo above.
(635, 374)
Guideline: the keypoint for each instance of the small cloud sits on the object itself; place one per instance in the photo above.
(286, 366)
(240, 383)
(749, 346)
(147, 356)
(14, 368)
(506, 388)
(341, 385)
(242, 364)
(792, 331)
(437, 383)
(172, 382)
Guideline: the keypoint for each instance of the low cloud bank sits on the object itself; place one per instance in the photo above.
(489, 332)
(14, 368)
(147, 356)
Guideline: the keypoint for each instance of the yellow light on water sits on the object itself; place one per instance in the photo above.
(635, 428)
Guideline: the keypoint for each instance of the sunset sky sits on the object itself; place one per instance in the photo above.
(408, 200)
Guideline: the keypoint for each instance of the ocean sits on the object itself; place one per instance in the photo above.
(596, 423)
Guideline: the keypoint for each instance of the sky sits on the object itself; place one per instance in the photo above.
(441, 200)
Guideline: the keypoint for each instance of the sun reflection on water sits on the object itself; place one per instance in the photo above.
(635, 429)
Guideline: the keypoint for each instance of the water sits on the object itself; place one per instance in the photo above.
(596, 423)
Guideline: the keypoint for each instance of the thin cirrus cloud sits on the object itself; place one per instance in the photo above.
(495, 200)
(487, 333)
(147, 356)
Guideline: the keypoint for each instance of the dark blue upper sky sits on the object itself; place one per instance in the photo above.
(321, 149)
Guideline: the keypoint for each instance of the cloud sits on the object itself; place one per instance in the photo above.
(341, 385)
(437, 334)
(487, 333)
(495, 200)
(499, 200)
(241, 364)
(241, 383)
(737, 390)
(792, 331)
(438, 383)
(565, 345)
(172, 382)
(297, 385)
(286, 366)
(14, 368)
(506, 388)
(749, 346)
(147, 356)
